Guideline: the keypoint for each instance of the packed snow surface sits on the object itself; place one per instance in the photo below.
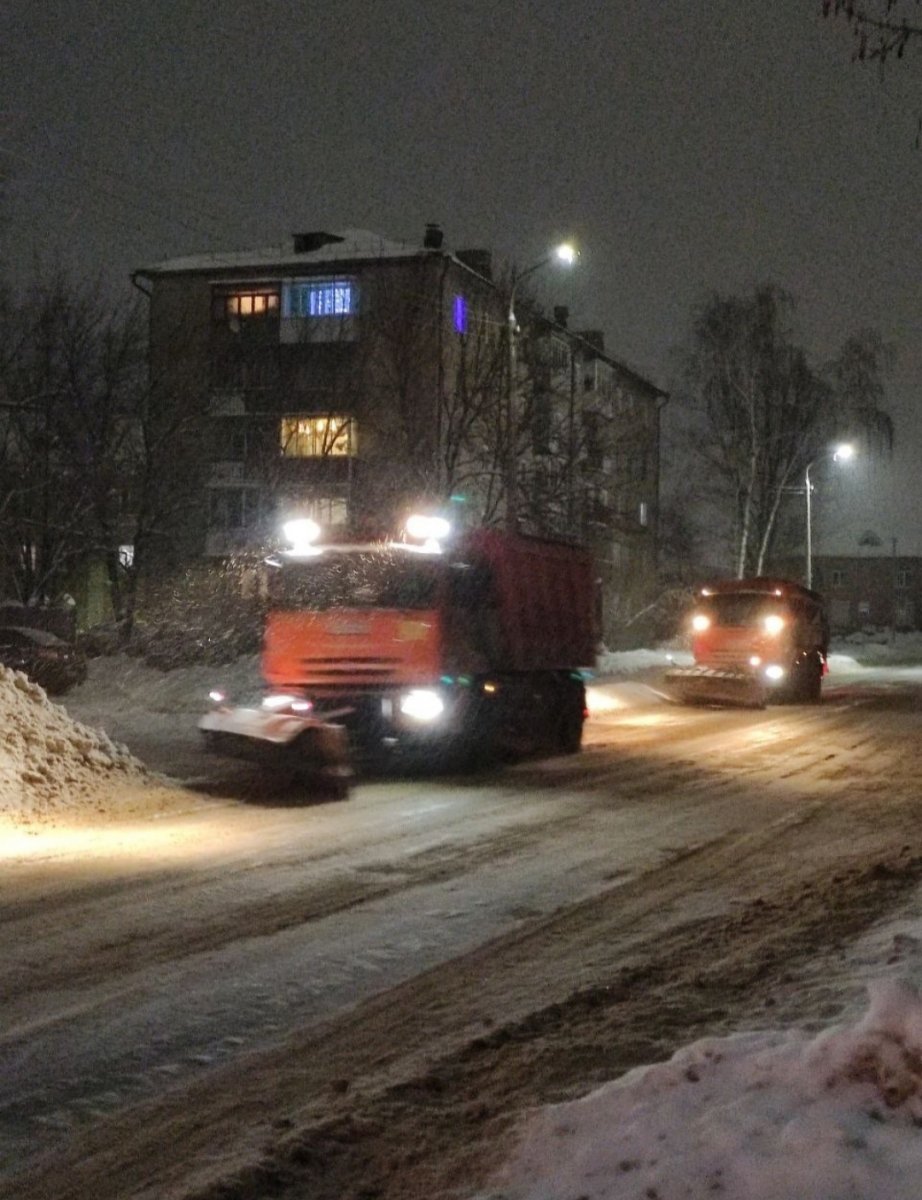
(765, 1115)
(757, 1116)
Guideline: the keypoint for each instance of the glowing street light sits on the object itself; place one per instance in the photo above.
(843, 452)
(565, 254)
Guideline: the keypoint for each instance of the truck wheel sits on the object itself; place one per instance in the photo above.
(570, 721)
(807, 681)
(813, 680)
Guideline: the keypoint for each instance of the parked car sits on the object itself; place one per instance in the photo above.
(49, 660)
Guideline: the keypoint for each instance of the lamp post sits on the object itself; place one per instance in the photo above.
(841, 453)
(566, 255)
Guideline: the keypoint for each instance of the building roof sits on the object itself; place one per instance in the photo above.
(347, 245)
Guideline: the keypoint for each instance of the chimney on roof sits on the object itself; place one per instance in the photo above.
(307, 243)
(480, 261)
(561, 315)
(433, 237)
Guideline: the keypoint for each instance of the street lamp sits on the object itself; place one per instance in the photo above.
(843, 452)
(565, 254)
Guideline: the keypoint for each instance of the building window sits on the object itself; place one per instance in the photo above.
(903, 577)
(864, 610)
(838, 578)
(643, 515)
(319, 298)
(234, 508)
(317, 437)
(248, 303)
(225, 508)
(460, 315)
(593, 440)
(327, 510)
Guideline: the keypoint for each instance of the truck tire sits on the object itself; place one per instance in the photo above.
(807, 681)
(813, 681)
(570, 718)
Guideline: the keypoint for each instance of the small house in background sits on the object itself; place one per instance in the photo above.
(870, 591)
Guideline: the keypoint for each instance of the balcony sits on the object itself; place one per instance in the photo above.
(226, 403)
(226, 473)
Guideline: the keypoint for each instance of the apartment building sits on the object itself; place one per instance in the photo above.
(351, 378)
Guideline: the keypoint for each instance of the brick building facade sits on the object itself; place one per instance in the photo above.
(350, 378)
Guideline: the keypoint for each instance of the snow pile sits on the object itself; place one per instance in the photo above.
(48, 762)
(758, 1116)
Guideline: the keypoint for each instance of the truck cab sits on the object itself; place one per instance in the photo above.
(755, 640)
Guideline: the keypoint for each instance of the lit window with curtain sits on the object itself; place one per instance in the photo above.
(319, 298)
(317, 437)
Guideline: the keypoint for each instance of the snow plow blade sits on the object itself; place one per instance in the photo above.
(710, 685)
(316, 752)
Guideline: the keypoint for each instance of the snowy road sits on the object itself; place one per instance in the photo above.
(349, 999)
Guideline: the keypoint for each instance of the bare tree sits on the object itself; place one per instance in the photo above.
(433, 392)
(91, 458)
(760, 412)
(882, 29)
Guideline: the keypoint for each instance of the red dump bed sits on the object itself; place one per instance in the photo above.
(546, 597)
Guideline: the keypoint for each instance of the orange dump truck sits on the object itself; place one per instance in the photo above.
(754, 641)
(459, 650)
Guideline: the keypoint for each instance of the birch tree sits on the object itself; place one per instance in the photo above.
(759, 412)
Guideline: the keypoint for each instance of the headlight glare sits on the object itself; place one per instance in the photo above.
(422, 704)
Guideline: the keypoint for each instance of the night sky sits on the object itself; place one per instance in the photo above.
(689, 145)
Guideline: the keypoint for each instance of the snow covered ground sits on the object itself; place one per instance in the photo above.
(767, 1115)
(760, 1116)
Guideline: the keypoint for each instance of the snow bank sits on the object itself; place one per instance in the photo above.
(758, 1116)
(50, 763)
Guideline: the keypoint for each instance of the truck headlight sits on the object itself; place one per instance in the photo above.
(422, 704)
(773, 624)
(283, 702)
(774, 673)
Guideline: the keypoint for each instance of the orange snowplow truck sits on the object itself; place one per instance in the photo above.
(755, 641)
(458, 649)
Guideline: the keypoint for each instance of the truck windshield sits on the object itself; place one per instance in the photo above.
(741, 609)
(370, 579)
